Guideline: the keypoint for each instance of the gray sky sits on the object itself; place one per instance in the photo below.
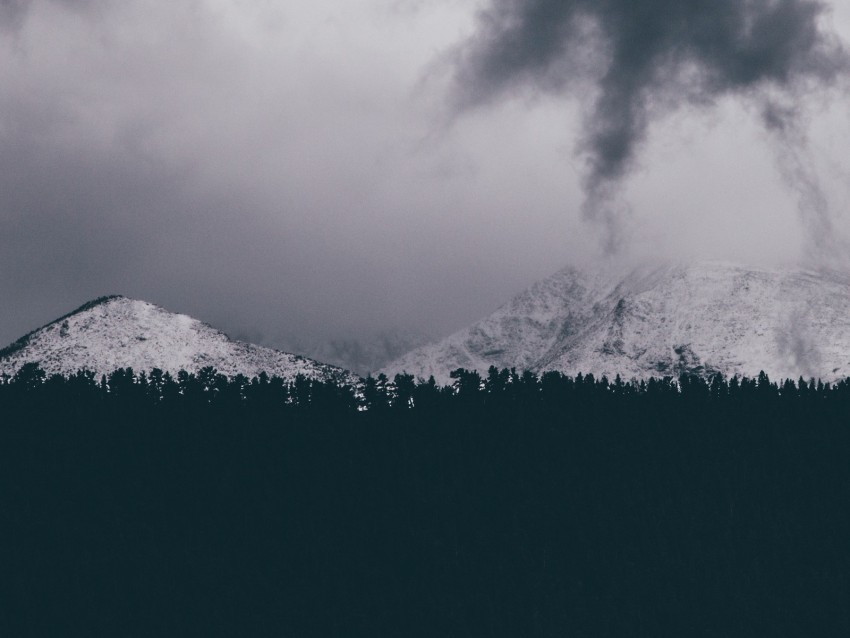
(325, 169)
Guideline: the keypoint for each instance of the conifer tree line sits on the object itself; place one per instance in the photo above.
(468, 388)
(504, 504)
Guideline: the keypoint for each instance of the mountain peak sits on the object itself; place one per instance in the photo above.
(96, 302)
(660, 319)
(114, 331)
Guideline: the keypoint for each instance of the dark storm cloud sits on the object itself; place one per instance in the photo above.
(644, 58)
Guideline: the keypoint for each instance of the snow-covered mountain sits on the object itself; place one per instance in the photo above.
(660, 320)
(117, 332)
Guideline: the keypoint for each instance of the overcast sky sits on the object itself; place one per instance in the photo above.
(329, 168)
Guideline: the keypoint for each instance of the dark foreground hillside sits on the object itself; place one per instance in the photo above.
(511, 506)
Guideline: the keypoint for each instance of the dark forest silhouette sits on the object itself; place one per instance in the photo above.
(503, 505)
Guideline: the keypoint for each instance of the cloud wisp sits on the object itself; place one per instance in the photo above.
(642, 60)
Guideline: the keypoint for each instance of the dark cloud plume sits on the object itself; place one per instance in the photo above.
(785, 126)
(642, 58)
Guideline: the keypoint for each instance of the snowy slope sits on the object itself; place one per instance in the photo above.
(115, 332)
(660, 320)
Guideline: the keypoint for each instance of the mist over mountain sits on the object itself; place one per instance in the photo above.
(116, 332)
(660, 320)
(363, 355)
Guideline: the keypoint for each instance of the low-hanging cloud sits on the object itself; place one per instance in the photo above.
(643, 59)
